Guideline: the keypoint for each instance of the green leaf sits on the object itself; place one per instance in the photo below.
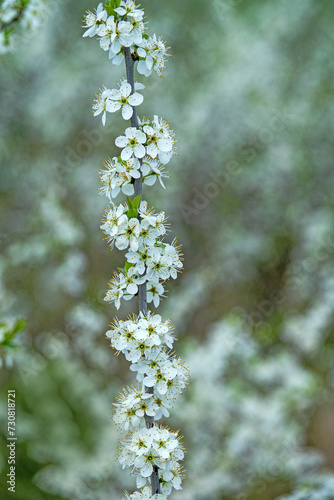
(110, 11)
(136, 201)
(129, 201)
(110, 7)
(132, 214)
(11, 334)
(128, 265)
(19, 326)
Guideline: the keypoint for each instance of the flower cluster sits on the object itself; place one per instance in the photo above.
(157, 446)
(144, 494)
(134, 403)
(149, 329)
(154, 139)
(119, 175)
(145, 340)
(149, 258)
(123, 26)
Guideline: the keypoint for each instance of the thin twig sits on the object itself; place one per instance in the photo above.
(142, 295)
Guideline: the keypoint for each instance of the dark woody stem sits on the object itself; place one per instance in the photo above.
(142, 295)
(138, 184)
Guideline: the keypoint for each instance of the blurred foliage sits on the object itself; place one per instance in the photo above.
(250, 93)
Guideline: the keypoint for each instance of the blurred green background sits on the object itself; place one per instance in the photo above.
(249, 91)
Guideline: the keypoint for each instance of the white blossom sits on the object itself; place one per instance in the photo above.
(116, 291)
(148, 447)
(132, 143)
(149, 328)
(154, 292)
(172, 477)
(123, 285)
(119, 175)
(113, 36)
(153, 170)
(18, 17)
(94, 21)
(134, 403)
(128, 235)
(129, 8)
(115, 218)
(144, 494)
(131, 405)
(139, 259)
(159, 371)
(153, 55)
(160, 139)
(9, 9)
(33, 14)
(124, 100)
(163, 263)
(101, 103)
(111, 100)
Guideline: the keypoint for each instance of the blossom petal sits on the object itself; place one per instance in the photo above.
(126, 153)
(141, 67)
(127, 112)
(152, 150)
(132, 288)
(149, 381)
(118, 59)
(147, 470)
(139, 151)
(135, 99)
(128, 189)
(116, 46)
(112, 106)
(121, 141)
(126, 89)
(165, 145)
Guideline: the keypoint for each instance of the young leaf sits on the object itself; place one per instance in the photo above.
(132, 213)
(129, 202)
(128, 265)
(19, 326)
(136, 201)
(110, 11)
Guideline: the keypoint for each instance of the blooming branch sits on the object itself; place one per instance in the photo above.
(152, 451)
